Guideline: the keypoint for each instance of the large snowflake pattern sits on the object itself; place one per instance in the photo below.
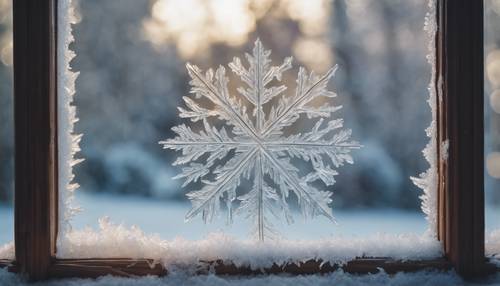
(256, 146)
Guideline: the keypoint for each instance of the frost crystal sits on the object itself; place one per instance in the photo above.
(256, 145)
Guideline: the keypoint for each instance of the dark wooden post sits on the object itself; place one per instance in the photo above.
(460, 49)
(35, 135)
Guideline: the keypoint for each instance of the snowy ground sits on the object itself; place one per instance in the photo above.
(6, 224)
(167, 219)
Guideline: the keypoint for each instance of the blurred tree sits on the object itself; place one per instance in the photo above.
(130, 85)
(382, 79)
(123, 95)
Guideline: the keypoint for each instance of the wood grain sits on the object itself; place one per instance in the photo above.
(93, 268)
(140, 267)
(461, 70)
(35, 135)
(356, 266)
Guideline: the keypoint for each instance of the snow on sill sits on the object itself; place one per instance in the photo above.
(118, 241)
(7, 251)
(492, 246)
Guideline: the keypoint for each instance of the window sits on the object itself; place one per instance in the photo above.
(124, 112)
(460, 200)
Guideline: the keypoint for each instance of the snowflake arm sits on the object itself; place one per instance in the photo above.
(311, 200)
(207, 200)
(228, 109)
(259, 202)
(315, 145)
(257, 77)
(288, 110)
(194, 145)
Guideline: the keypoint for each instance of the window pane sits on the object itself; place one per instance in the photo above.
(131, 57)
(6, 133)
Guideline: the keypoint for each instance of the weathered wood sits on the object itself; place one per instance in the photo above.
(9, 264)
(140, 267)
(35, 135)
(98, 267)
(356, 266)
(461, 70)
(5, 262)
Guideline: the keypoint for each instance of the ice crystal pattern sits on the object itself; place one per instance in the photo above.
(253, 150)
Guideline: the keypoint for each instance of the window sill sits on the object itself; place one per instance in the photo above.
(62, 268)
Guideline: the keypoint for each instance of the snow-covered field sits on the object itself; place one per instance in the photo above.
(167, 220)
(6, 224)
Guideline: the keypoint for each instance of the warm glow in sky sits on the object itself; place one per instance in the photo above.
(312, 15)
(194, 25)
(6, 37)
(315, 53)
(493, 68)
(495, 5)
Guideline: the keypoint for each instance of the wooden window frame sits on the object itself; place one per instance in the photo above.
(459, 84)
